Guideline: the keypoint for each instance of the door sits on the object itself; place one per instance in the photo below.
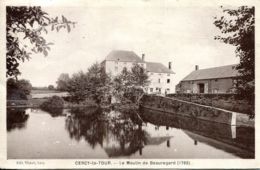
(201, 87)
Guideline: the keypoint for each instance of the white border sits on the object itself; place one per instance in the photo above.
(70, 163)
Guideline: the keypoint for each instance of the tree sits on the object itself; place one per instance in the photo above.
(99, 83)
(51, 87)
(24, 28)
(238, 28)
(93, 85)
(139, 76)
(62, 82)
(77, 85)
(18, 89)
(129, 85)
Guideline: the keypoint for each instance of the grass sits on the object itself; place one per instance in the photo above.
(42, 91)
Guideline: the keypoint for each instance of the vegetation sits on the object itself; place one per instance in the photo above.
(53, 105)
(233, 102)
(62, 82)
(24, 29)
(94, 85)
(129, 86)
(18, 89)
(51, 87)
(238, 28)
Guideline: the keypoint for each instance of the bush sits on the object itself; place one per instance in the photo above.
(53, 105)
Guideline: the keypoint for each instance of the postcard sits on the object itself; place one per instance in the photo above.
(133, 84)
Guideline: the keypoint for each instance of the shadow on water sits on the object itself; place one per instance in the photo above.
(238, 140)
(16, 119)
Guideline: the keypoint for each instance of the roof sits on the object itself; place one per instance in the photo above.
(124, 56)
(157, 68)
(213, 73)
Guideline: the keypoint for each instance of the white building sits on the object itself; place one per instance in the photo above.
(161, 77)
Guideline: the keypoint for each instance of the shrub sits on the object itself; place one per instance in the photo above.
(53, 105)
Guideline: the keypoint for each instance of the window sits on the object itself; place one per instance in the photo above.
(168, 74)
(151, 90)
(168, 80)
(159, 80)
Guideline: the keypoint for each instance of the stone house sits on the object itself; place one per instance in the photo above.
(160, 76)
(221, 79)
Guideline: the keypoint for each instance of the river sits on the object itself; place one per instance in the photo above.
(94, 133)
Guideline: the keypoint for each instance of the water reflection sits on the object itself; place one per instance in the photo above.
(227, 136)
(113, 131)
(16, 119)
(87, 124)
(97, 133)
(54, 112)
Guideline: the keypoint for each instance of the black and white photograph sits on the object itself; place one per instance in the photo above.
(129, 80)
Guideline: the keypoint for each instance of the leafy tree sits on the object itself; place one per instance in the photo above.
(77, 86)
(62, 82)
(18, 89)
(139, 76)
(51, 87)
(99, 83)
(238, 28)
(93, 85)
(129, 86)
(24, 29)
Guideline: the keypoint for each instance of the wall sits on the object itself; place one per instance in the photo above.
(163, 85)
(188, 109)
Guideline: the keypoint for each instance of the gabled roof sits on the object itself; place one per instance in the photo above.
(123, 56)
(157, 68)
(213, 73)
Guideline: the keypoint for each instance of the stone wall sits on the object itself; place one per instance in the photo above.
(177, 107)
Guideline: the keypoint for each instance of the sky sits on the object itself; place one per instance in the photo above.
(182, 35)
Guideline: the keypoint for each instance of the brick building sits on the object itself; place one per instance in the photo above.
(211, 80)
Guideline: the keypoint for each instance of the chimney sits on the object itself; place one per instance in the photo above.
(196, 67)
(170, 65)
(143, 55)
